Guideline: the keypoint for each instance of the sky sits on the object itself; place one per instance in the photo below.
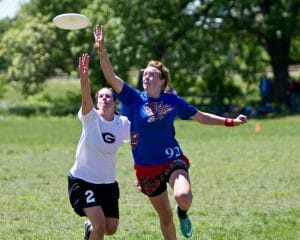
(8, 8)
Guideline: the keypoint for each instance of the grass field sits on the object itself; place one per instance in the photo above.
(245, 184)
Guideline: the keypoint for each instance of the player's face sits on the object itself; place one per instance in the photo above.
(105, 100)
(152, 81)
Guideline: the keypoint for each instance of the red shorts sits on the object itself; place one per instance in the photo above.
(153, 179)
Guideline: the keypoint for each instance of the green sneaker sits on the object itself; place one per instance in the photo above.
(185, 225)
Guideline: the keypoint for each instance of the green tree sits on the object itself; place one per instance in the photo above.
(61, 51)
(204, 43)
(271, 24)
(211, 39)
(4, 26)
(201, 58)
(26, 47)
(138, 31)
(32, 48)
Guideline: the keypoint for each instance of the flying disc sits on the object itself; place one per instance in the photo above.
(71, 21)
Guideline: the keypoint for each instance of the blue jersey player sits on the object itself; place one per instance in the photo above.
(158, 158)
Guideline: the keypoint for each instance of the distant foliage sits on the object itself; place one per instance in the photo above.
(26, 48)
(43, 104)
(204, 43)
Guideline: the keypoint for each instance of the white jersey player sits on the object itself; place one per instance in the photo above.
(92, 185)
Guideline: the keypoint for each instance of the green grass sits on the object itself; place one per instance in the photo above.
(59, 97)
(58, 87)
(54, 88)
(245, 184)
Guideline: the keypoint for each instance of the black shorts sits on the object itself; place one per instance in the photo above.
(83, 194)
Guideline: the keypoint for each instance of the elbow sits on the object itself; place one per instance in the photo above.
(199, 117)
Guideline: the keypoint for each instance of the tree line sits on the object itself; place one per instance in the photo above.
(204, 43)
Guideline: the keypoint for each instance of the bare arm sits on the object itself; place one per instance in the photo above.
(83, 68)
(212, 119)
(115, 81)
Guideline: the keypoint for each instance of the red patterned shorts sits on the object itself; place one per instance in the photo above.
(153, 179)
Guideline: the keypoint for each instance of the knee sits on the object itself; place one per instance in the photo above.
(184, 199)
(110, 230)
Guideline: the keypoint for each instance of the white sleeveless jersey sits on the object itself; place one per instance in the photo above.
(95, 159)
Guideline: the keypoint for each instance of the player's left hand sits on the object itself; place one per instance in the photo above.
(240, 119)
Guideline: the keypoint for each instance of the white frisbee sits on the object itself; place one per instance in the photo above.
(71, 21)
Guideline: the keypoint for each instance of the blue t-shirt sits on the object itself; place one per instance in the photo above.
(152, 124)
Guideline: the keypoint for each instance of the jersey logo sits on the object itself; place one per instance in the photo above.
(134, 139)
(157, 111)
(108, 137)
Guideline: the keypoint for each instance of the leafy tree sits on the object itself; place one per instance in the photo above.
(204, 43)
(32, 48)
(4, 26)
(25, 47)
(138, 31)
(61, 49)
(201, 57)
(195, 37)
(271, 24)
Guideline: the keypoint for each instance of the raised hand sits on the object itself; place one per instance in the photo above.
(99, 38)
(83, 66)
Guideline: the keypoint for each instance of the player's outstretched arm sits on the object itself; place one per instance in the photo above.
(83, 68)
(212, 119)
(115, 81)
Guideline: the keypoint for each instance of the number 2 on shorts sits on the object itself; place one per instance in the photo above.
(89, 196)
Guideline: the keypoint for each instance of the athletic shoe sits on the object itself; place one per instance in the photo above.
(185, 225)
(87, 230)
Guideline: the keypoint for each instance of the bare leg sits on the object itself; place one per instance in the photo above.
(162, 206)
(97, 218)
(180, 182)
(111, 225)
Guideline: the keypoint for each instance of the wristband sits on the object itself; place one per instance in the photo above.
(229, 122)
(101, 52)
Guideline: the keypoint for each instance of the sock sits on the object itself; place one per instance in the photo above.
(181, 213)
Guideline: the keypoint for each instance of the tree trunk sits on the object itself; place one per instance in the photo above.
(281, 76)
(278, 49)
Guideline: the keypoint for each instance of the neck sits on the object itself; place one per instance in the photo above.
(107, 116)
(153, 95)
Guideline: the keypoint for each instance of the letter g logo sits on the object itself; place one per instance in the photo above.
(108, 137)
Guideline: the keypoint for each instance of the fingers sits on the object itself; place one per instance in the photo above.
(96, 32)
(83, 62)
(137, 185)
(242, 118)
(86, 59)
(99, 33)
(99, 29)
